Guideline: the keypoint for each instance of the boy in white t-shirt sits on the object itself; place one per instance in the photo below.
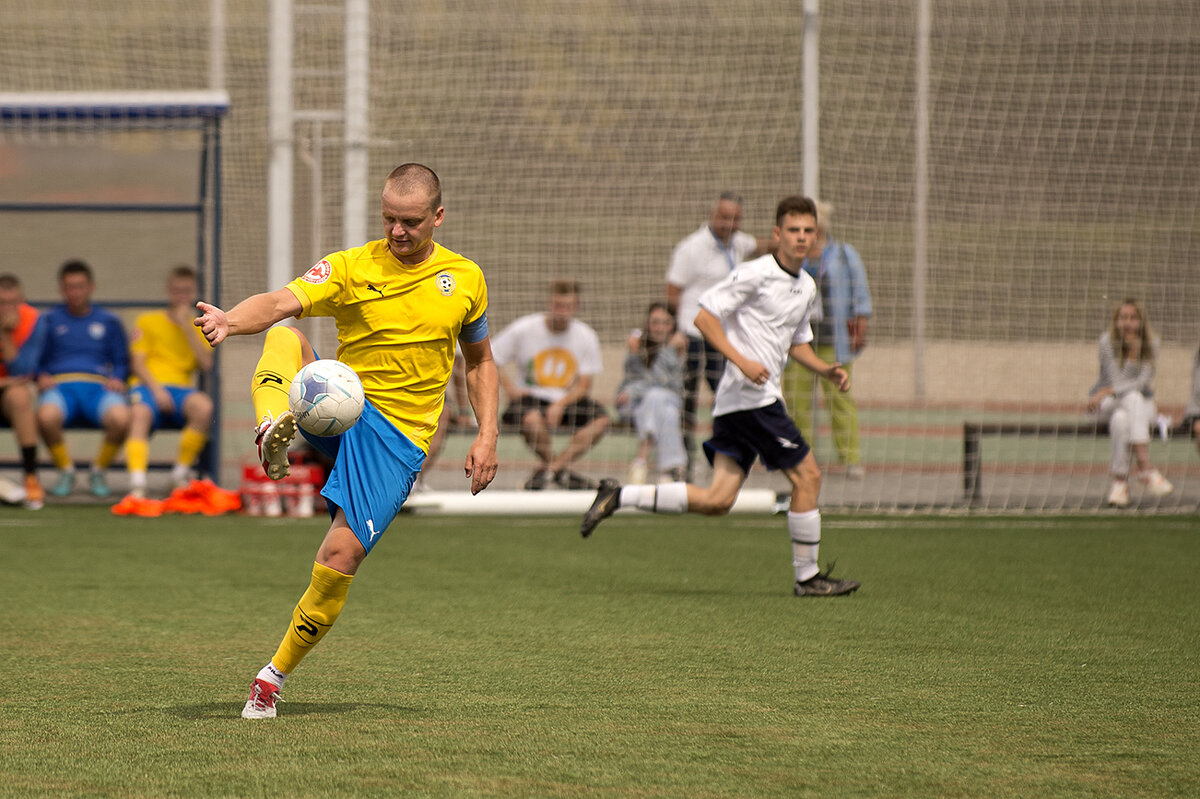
(757, 318)
(557, 357)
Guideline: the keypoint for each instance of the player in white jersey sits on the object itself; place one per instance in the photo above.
(757, 318)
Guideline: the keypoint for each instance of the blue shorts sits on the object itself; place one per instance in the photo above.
(82, 402)
(375, 466)
(768, 433)
(172, 421)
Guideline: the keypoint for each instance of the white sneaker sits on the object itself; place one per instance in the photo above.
(274, 435)
(637, 472)
(1156, 484)
(856, 471)
(1118, 495)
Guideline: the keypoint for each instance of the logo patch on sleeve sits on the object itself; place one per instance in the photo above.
(319, 273)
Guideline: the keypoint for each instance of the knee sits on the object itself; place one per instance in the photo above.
(49, 415)
(199, 410)
(117, 418)
(18, 399)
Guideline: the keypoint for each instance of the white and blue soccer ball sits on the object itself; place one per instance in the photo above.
(326, 398)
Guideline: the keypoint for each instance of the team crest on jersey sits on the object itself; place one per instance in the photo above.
(319, 273)
(445, 283)
(96, 330)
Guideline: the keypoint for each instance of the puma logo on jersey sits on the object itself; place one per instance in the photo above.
(377, 291)
(371, 527)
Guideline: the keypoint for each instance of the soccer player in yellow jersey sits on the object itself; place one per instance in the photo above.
(400, 304)
(166, 351)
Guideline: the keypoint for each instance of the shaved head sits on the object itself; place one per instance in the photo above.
(411, 178)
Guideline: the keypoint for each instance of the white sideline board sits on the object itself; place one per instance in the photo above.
(548, 503)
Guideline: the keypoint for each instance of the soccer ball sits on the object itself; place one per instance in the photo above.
(326, 398)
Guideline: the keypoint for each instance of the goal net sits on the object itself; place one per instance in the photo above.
(584, 140)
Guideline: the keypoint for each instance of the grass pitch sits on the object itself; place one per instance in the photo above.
(664, 657)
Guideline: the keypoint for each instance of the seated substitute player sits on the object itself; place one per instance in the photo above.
(166, 352)
(756, 317)
(80, 355)
(557, 356)
(399, 304)
(17, 397)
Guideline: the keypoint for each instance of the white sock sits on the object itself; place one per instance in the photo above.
(137, 481)
(179, 474)
(661, 498)
(272, 675)
(805, 531)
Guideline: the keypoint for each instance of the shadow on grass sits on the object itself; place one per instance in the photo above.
(227, 710)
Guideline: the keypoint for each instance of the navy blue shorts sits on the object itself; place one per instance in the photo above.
(766, 433)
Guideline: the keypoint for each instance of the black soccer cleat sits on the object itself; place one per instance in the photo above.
(824, 585)
(608, 497)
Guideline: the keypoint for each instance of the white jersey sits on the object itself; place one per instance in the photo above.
(764, 310)
(700, 262)
(548, 362)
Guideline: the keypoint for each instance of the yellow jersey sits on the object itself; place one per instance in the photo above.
(397, 324)
(169, 357)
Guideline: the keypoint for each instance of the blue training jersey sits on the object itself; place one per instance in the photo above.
(94, 344)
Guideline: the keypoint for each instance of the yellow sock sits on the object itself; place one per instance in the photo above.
(107, 453)
(137, 454)
(190, 443)
(316, 612)
(62, 458)
(281, 359)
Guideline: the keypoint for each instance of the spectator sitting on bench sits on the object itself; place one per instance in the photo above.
(166, 353)
(80, 355)
(651, 395)
(17, 397)
(557, 357)
(1124, 397)
(1191, 414)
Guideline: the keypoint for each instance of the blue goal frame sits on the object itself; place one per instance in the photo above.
(182, 110)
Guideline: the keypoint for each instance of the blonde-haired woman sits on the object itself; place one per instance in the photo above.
(1124, 397)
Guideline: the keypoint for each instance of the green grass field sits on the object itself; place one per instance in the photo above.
(983, 657)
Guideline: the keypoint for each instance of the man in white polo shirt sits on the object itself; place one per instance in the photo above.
(757, 317)
(700, 261)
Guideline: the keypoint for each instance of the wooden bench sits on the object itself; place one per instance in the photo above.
(974, 431)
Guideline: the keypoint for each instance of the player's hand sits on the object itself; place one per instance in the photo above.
(482, 463)
(755, 372)
(857, 327)
(116, 386)
(839, 377)
(212, 323)
(162, 398)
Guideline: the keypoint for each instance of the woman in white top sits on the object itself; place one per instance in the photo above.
(1124, 397)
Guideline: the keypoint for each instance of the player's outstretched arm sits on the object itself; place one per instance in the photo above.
(252, 315)
(483, 391)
